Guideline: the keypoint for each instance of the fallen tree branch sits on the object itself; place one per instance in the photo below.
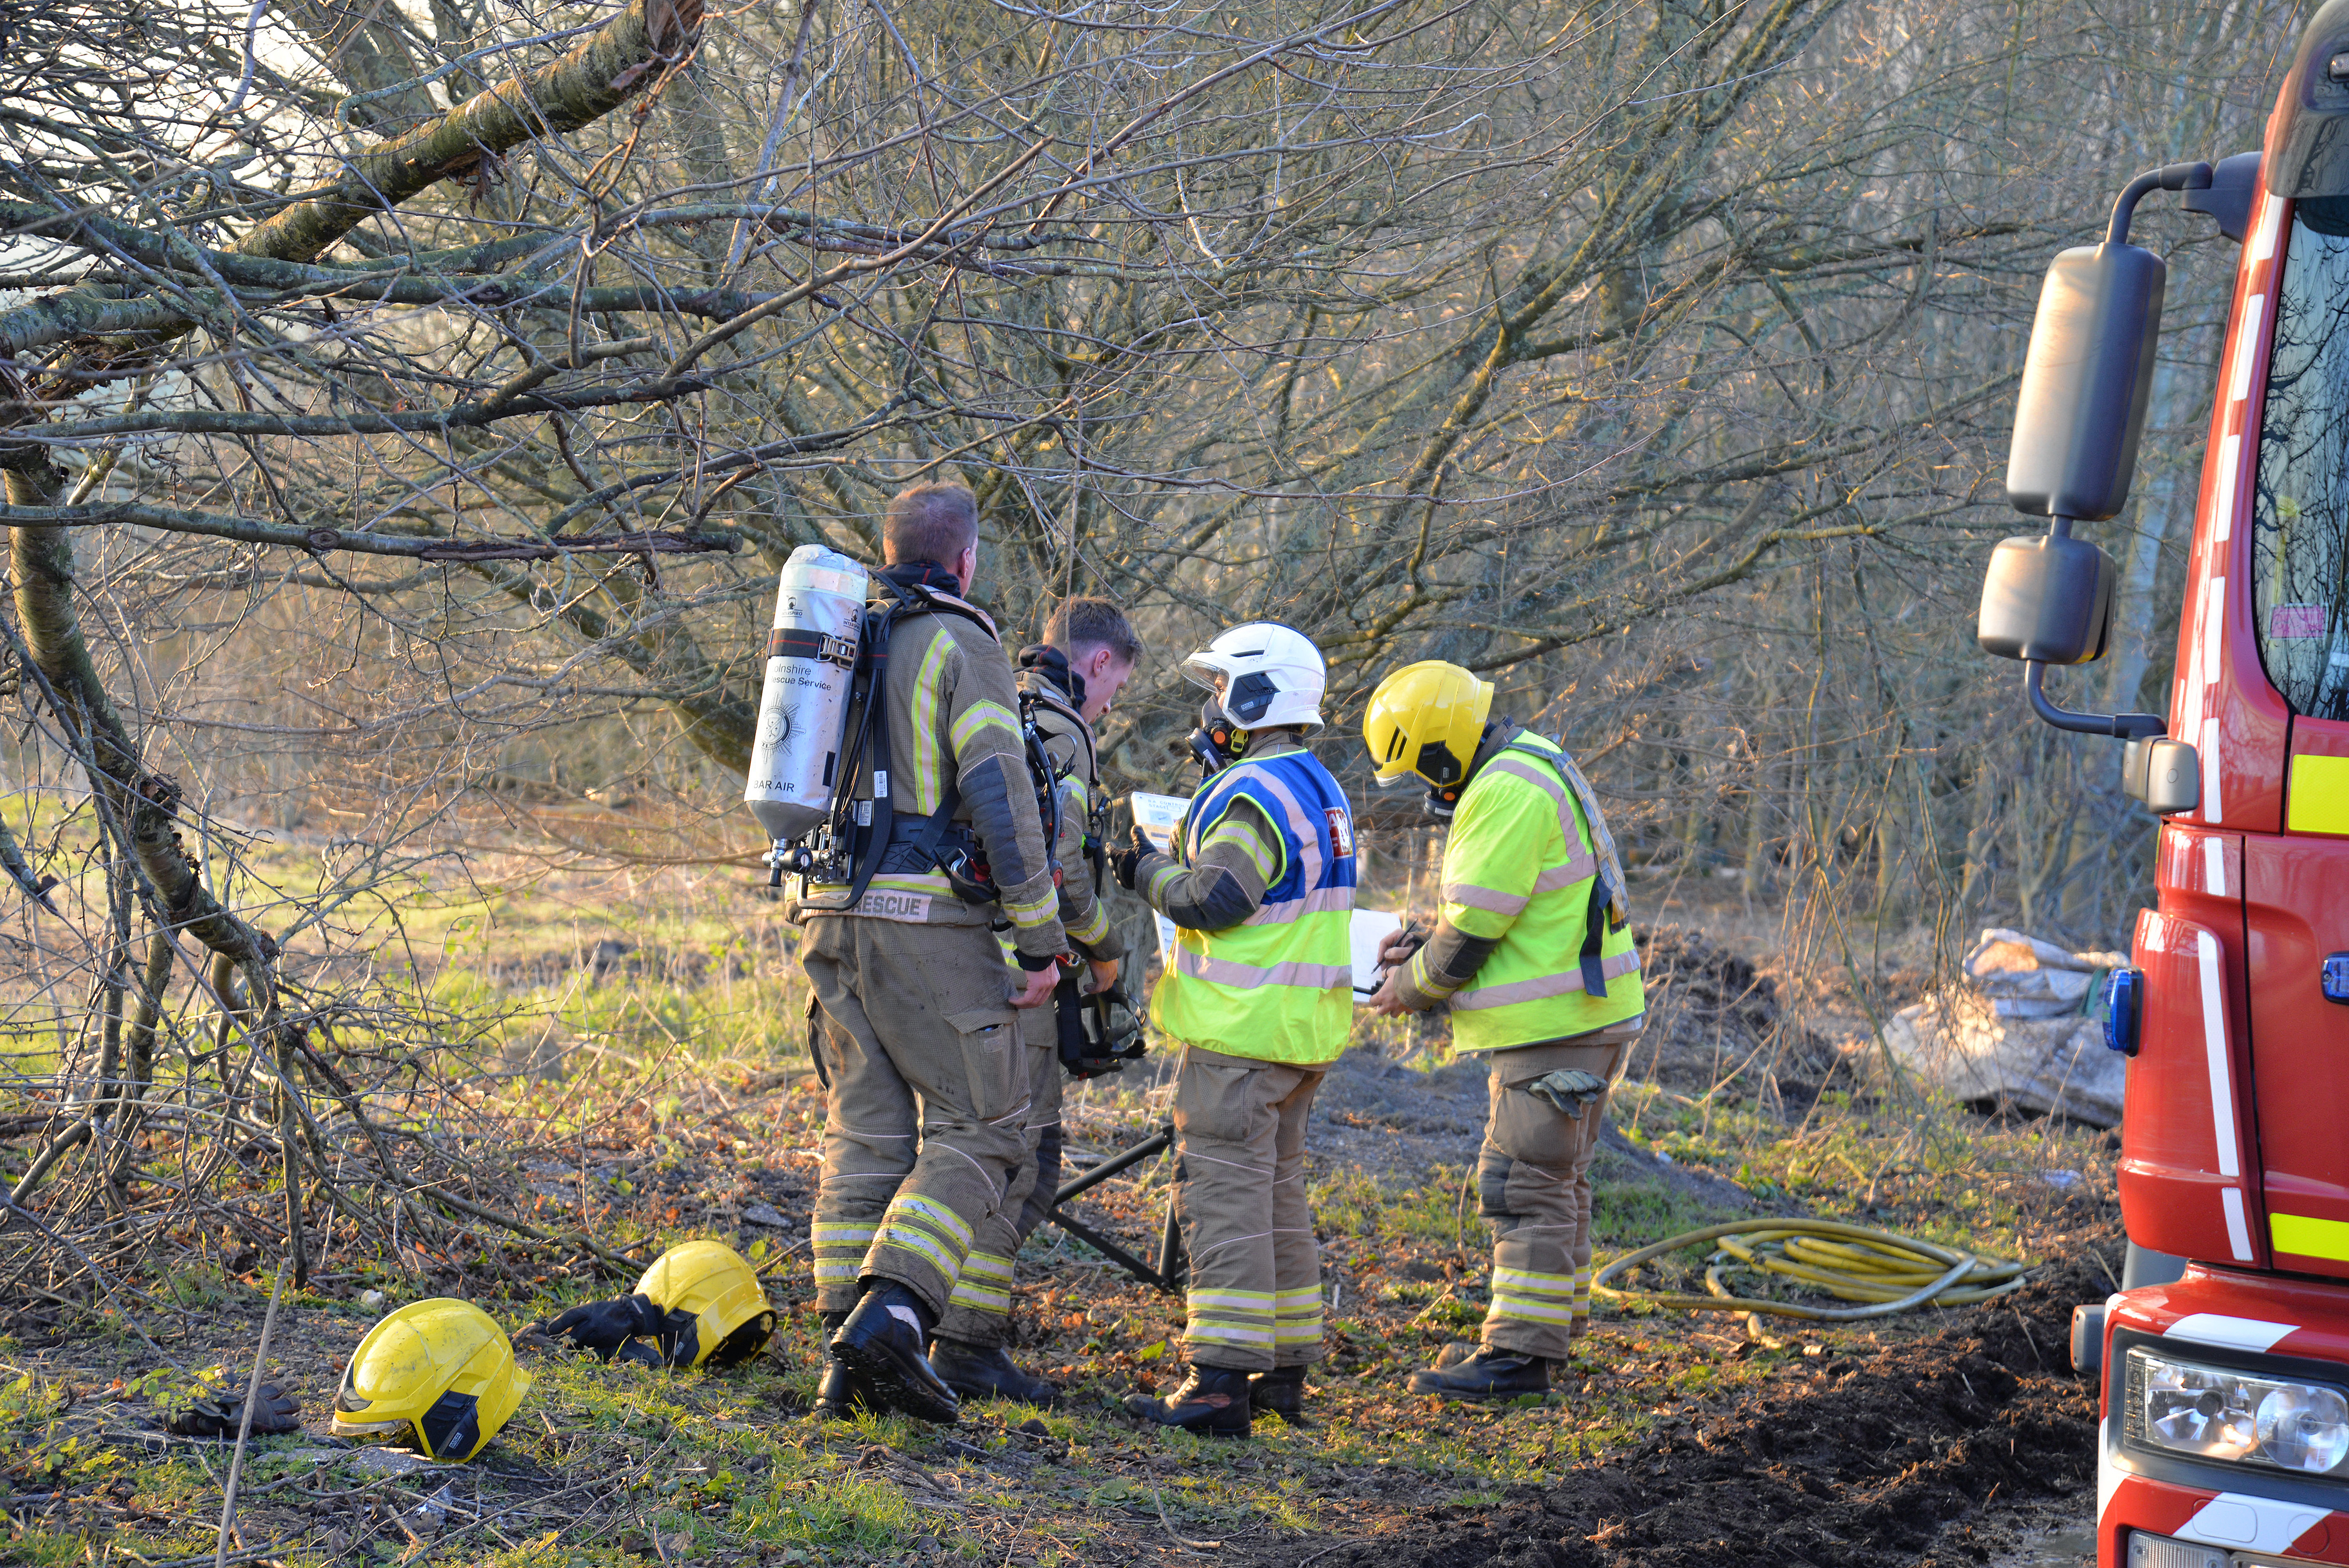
(230, 422)
(252, 530)
(109, 310)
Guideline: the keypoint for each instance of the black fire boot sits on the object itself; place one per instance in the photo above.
(1279, 1392)
(987, 1372)
(840, 1393)
(1212, 1401)
(882, 1340)
(1489, 1374)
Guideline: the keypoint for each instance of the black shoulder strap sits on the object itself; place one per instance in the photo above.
(871, 835)
(1602, 898)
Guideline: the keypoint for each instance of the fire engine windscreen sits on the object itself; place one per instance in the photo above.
(804, 705)
(2300, 502)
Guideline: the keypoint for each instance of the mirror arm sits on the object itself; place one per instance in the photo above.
(2121, 725)
(2170, 177)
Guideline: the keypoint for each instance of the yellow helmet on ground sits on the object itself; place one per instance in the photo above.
(438, 1373)
(1425, 719)
(732, 1321)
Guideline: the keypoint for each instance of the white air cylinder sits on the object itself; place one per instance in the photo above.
(804, 706)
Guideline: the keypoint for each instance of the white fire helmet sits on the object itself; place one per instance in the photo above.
(1263, 674)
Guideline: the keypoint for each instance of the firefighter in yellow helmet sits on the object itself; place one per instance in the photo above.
(699, 1305)
(1533, 951)
(438, 1374)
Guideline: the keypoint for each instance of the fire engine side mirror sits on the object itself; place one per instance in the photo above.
(2049, 598)
(2172, 781)
(2086, 379)
(2234, 189)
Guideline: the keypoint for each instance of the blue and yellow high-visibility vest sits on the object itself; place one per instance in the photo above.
(1279, 986)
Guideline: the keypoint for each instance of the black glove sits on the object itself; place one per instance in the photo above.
(1566, 1089)
(1124, 862)
(219, 1414)
(607, 1327)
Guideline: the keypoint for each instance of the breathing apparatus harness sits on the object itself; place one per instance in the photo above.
(1098, 1034)
(862, 829)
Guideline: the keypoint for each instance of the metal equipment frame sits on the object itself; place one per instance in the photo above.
(1174, 1269)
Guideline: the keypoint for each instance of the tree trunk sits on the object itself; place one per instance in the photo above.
(142, 803)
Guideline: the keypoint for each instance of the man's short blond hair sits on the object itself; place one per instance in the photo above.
(1092, 623)
(934, 522)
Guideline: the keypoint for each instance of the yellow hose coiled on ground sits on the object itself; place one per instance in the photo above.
(1854, 1262)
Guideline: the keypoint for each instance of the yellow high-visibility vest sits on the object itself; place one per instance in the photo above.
(1521, 865)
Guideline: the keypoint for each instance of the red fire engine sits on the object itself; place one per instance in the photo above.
(2224, 1359)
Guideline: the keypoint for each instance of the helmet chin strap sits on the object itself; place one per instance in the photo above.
(1441, 798)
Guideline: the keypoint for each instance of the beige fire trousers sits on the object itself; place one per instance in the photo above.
(1255, 1297)
(981, 1310)
(1533, 1187)
(926, 1103)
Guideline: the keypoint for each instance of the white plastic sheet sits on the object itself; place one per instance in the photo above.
(2024, 1027)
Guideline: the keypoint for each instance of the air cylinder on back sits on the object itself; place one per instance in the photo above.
(804, 706)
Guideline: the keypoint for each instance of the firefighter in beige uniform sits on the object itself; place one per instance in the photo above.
(1260, 993)
(1533, 952)
(1070, 679)
(918, 1032)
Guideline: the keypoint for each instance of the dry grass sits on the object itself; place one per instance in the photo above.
(662, 1092)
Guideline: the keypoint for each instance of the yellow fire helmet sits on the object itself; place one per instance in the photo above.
(1425, 719)
(439, 1374)
(732, 1321)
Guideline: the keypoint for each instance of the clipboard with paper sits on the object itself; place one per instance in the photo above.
(1159, 818)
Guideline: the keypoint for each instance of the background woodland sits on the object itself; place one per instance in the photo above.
(405, 408)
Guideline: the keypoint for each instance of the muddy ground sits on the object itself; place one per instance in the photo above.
(1902, 1455)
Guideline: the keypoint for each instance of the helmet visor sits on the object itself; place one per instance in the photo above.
(1200, 673)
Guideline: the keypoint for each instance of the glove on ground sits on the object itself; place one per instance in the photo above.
(617, 1327)
(273, 1411)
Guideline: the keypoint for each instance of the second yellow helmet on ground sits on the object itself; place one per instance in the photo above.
(732, 1321)
(1427, 720)
(439, 1374)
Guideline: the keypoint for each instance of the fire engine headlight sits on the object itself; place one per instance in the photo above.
(2217, 1413)
(2303, 1428)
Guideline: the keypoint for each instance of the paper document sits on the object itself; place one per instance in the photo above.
(1371, 927)
(1158, 817)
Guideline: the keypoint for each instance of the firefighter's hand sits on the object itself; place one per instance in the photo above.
(1398, 948)
(1038, 988)
(1388, 1003)
(1104, 975)
(1124, 860)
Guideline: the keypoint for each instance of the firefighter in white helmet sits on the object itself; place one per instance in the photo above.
(1259, 994)
(1533, 952)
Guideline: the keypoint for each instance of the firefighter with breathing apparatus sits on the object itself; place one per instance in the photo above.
(1260, 993)
(1533, 952)
(1066, 684)
(890, 767)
